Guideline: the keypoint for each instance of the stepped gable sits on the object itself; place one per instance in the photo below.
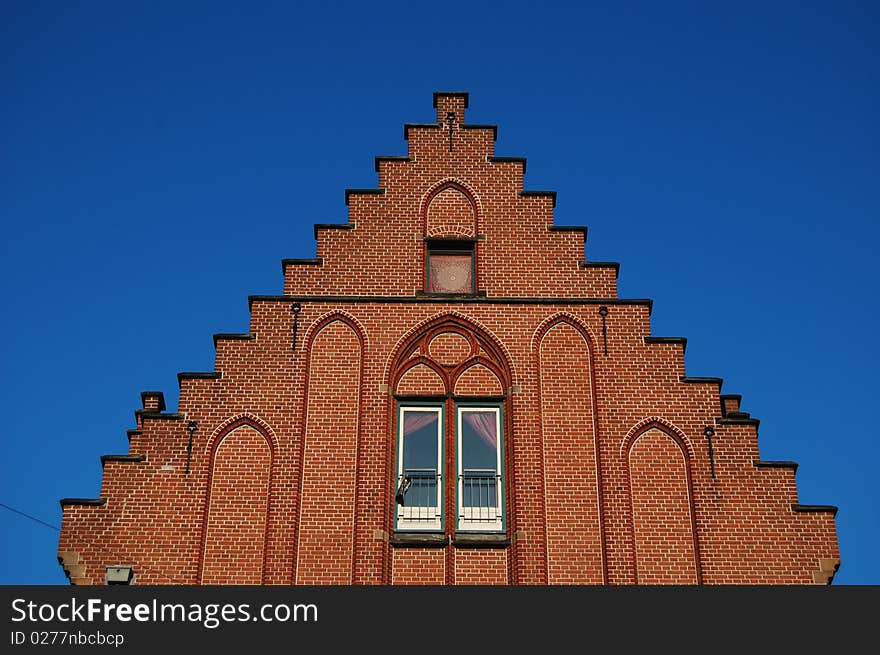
(562, 442)
(441, 192)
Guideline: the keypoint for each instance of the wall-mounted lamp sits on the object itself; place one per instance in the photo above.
(603, 312)
(191, 428)
(709, 432)
(119, 575)
(296, 308)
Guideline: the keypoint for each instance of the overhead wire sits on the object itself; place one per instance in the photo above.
(90, 544)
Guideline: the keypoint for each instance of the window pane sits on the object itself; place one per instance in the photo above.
(421, 432)
(479, 458)
(451, 273)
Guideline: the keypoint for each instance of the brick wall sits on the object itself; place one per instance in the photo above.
(291, 479)
(663, 530)
(329, 475)
(571, 490)
(235, 532)
(419, 566)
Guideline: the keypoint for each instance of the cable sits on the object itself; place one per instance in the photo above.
(96, 547)
(32, 518)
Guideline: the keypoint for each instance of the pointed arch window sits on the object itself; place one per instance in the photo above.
(479, 462)
(449, 467)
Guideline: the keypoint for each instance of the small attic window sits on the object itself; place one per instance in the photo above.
(450, 267)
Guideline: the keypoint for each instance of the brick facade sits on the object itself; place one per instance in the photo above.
(605, 472)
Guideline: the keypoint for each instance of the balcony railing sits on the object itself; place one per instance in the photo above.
(479, 493)
(417, 496)
(479, 500)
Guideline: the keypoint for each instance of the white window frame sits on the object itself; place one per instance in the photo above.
(480, 519)
(423, 518)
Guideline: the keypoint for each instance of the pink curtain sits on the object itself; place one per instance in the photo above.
(483, 424)
(414, 421)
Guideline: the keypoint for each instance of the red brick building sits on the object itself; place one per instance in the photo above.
(447, 394)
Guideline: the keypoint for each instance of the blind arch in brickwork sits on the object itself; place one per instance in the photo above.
(240, 486)
(450, 198)
(667, 513)
(481, 349)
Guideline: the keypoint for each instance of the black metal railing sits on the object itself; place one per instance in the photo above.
(480, 491)
(417, 494)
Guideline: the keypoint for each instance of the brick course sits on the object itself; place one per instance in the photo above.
(607, 475)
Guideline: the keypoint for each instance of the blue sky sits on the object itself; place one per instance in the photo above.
(158, 160)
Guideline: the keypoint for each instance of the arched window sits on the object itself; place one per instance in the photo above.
(450, 215)
(449, 461)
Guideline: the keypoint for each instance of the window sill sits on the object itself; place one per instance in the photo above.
(431, 294)
(418, 540)
(462, 540)
(480, 540)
